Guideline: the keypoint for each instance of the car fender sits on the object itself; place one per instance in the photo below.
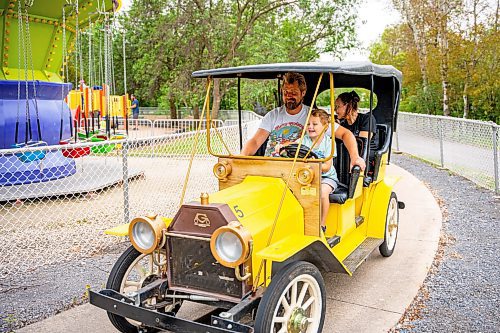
(378, 207)
(299, 247)
(122, 229)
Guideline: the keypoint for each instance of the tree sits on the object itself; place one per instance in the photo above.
(171, 39)
(414, 13)
(455, 44)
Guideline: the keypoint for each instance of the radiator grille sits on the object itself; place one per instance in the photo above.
(192, 266)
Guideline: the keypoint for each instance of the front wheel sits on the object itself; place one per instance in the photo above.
(294, 302)
(132, 271)
(391, 227)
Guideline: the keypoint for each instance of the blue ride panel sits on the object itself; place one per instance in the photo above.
(16, 170)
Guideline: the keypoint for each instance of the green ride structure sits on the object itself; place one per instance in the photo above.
(39, 39)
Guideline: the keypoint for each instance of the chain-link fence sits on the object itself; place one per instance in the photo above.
(467, 147)
(56, 201)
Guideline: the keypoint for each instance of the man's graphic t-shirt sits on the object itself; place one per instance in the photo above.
(283, 127)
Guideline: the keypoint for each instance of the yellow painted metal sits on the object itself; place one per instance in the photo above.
(383, 166)
(379, 199)
(122, 230)
(340, 219)
(74, 99)
(349, 243)
(255, 202)
(285, 248)
(118, 106)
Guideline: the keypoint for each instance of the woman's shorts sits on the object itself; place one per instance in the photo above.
(135, 116)
(332, 183)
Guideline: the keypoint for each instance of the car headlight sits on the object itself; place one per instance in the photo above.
(230, 244)
(305, 175)
(222, 170)
(146, 233)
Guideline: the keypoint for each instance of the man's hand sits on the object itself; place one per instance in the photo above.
(358, 161)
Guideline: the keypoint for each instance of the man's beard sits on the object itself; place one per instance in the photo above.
(292, 104)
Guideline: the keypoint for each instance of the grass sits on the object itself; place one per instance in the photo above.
(181, 146)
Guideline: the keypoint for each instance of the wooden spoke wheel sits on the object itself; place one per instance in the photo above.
(391, 227)
(294, 302)
(132, 271)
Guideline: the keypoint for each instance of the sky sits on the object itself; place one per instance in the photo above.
(374, 17)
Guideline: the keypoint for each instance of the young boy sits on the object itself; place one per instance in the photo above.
(318, 120)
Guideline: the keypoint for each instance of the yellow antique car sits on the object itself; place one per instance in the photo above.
(254, 250)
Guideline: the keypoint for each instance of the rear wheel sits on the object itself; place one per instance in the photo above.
(391, 227)
(294, 302)
(132, 271)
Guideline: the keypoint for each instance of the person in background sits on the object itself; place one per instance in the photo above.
(135, 111)
(346, 107)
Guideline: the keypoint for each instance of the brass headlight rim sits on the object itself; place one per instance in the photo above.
(243, 235)
(227, 170)
(308, 180)
(155, 226)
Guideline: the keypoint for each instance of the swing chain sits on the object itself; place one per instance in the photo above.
(31, 64)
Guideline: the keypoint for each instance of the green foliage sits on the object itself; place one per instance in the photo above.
(323, 98)
(168, 40)
(472, 61)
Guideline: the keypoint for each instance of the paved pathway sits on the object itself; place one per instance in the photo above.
(372, 300)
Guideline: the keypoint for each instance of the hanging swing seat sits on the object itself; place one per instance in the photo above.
(30, 156)
(73, 152)
(83, 135)
(102, 149)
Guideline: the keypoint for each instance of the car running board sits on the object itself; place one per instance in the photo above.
(358, 256)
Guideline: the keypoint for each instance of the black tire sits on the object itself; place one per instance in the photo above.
(271, 308)
(115, 280)
(387, 247)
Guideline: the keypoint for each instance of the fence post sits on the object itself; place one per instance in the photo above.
(441, 151)
(495, 157)
(126, 208)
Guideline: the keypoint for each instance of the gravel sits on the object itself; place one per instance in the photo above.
(50, 289)
(462, 291)
(460, 294)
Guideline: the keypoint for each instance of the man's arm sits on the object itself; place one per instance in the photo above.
(255, 142)
(352, 147)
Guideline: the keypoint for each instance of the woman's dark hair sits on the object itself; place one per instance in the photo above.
(351, 99)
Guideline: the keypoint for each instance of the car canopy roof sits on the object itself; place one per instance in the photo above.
(352, 74)
(270, 71)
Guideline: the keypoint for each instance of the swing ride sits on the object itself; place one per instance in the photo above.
(40, 105)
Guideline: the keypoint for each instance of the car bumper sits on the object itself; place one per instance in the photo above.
(118, 304)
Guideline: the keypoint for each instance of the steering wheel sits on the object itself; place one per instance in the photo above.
(290, 150)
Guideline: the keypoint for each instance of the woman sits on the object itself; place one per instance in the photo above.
(346, 107)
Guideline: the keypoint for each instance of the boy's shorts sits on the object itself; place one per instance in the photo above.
(332, 183)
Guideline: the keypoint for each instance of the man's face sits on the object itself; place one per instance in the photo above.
(292, 96)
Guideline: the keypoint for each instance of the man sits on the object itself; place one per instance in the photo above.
(284, 124)
(135, 111)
